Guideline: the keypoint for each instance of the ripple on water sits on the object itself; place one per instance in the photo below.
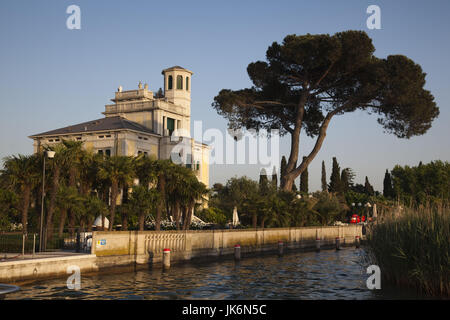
(325, 275)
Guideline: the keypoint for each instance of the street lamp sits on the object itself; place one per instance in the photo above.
(50, 155)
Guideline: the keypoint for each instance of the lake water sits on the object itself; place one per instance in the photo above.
(328, 274)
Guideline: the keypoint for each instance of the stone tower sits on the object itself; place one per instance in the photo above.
(177, 86)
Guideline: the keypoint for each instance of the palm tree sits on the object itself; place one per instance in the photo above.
(161, 168)
(67, 200)
(194, 191)
(94, 207)
(174, 191)
(73, 154)
(145, 169)
(142, 201)
(22, 174)
(118, 171)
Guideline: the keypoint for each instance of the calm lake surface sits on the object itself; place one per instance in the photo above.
(328, 274)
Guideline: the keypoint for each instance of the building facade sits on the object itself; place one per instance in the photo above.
(140, 122)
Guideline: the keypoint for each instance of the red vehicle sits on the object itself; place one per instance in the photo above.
(354, 219)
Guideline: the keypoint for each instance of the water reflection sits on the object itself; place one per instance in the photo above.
(314, 275)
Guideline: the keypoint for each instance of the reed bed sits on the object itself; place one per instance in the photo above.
(411, 247)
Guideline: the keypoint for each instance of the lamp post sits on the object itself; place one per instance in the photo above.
(50, 155)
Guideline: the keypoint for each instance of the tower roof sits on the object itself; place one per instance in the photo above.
(176, 68)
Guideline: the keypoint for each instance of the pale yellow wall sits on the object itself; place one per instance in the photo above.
(144, 118)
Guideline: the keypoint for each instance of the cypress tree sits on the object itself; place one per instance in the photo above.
(283, 167)
(294, 187)
(335, 178)
(388, 190)
(368, 189)
(324, 177)
(304, 180)
(274, 178)
(263, 182)
(344, 180)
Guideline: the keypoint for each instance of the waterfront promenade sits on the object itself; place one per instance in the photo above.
(131, 248)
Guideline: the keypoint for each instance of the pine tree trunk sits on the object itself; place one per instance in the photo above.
(254, 220)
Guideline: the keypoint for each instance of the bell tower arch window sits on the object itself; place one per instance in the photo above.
(179, 82)
(187, 83)
(170, 83)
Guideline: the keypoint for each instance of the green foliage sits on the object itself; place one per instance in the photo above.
(304, 181)
(274, 179)
(81, 186)
(275, 208)
(388, 189)
(212, 215)
(335, 178)
(368, 187)
(263, 182)
(426, 183)
(324, 177)
(413, 249)
(308, 79)
(9, 214)
(329, 208)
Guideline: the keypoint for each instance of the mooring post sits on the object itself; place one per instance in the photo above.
(357, 242)
(280, 248)
(317, 244)
(166, 258)
(237, 252)
(23, 246)
(34, 244)
(338, 243)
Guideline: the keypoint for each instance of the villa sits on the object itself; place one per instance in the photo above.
(140, 122)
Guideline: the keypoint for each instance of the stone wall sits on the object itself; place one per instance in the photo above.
(144, 247)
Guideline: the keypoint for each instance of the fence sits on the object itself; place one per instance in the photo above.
(17, 243)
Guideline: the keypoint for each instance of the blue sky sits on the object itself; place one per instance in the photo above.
(51, 77)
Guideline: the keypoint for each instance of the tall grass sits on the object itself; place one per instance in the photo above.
(412, 249)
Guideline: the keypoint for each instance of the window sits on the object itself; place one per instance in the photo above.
(101, 137)
(189, 161)
(108, 136)
(108, 152)
(179, 82)
(78, 138)
(100, 151)
(187, 83)
(170, 83)
(198, 166)
(170, 125)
